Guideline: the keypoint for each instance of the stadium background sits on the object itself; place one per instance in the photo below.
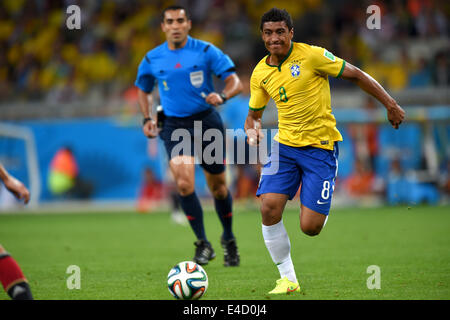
(61, 87)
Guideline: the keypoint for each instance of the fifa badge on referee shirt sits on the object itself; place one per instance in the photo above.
(196, 78)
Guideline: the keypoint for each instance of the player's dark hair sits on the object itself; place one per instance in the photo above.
(174, 7)
(276, 15)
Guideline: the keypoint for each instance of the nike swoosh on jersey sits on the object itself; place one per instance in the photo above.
(320, 202)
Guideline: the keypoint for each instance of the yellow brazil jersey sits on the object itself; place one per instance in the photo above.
(299, 86)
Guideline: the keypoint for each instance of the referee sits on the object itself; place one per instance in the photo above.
(183, 68)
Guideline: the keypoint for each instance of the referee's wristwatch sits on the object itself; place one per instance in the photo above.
(224, 97)
(145, 120)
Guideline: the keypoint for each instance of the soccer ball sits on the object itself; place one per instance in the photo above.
(187, 281)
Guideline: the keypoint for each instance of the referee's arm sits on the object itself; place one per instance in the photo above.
(145, 103)
(233, 87)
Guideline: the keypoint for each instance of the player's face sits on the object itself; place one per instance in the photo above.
(277, 37)
(176, 26)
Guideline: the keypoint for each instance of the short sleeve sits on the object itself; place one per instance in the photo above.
(326, 63)
(258, 95)
(145, 80)
(221, 64)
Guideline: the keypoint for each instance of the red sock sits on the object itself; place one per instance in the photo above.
(10, 272)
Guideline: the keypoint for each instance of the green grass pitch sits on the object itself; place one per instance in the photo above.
(128, 255)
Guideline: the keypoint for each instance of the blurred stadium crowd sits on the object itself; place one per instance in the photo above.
(50, 71)
(42, 60)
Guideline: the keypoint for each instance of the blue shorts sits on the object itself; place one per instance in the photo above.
(313, 168)
(209, 119)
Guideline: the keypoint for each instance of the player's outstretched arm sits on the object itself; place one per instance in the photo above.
(145, 103)
(395, 113)
(233, 87)
(253, 127)
(14, 186)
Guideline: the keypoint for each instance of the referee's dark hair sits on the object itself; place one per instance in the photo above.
(276, 15)
(174, 7)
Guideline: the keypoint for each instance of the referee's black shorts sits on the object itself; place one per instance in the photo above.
(191, 142)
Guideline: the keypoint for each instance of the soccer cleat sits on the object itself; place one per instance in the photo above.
(203, 252)
(230, 253)
(285, 286)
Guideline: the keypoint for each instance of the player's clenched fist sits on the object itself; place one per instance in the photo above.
(254, 132)
(395, 115)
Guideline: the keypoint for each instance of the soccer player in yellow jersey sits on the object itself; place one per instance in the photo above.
(305, 150)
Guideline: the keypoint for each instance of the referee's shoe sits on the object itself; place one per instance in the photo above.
(203, 252)
(230, 253)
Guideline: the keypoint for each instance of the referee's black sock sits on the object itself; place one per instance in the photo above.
(194, 213)
(224, 209)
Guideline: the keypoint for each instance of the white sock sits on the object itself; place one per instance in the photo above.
(325, 222)
(279, 246)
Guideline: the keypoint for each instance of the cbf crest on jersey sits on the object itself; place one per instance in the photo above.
(196, 78)
(294, 67)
